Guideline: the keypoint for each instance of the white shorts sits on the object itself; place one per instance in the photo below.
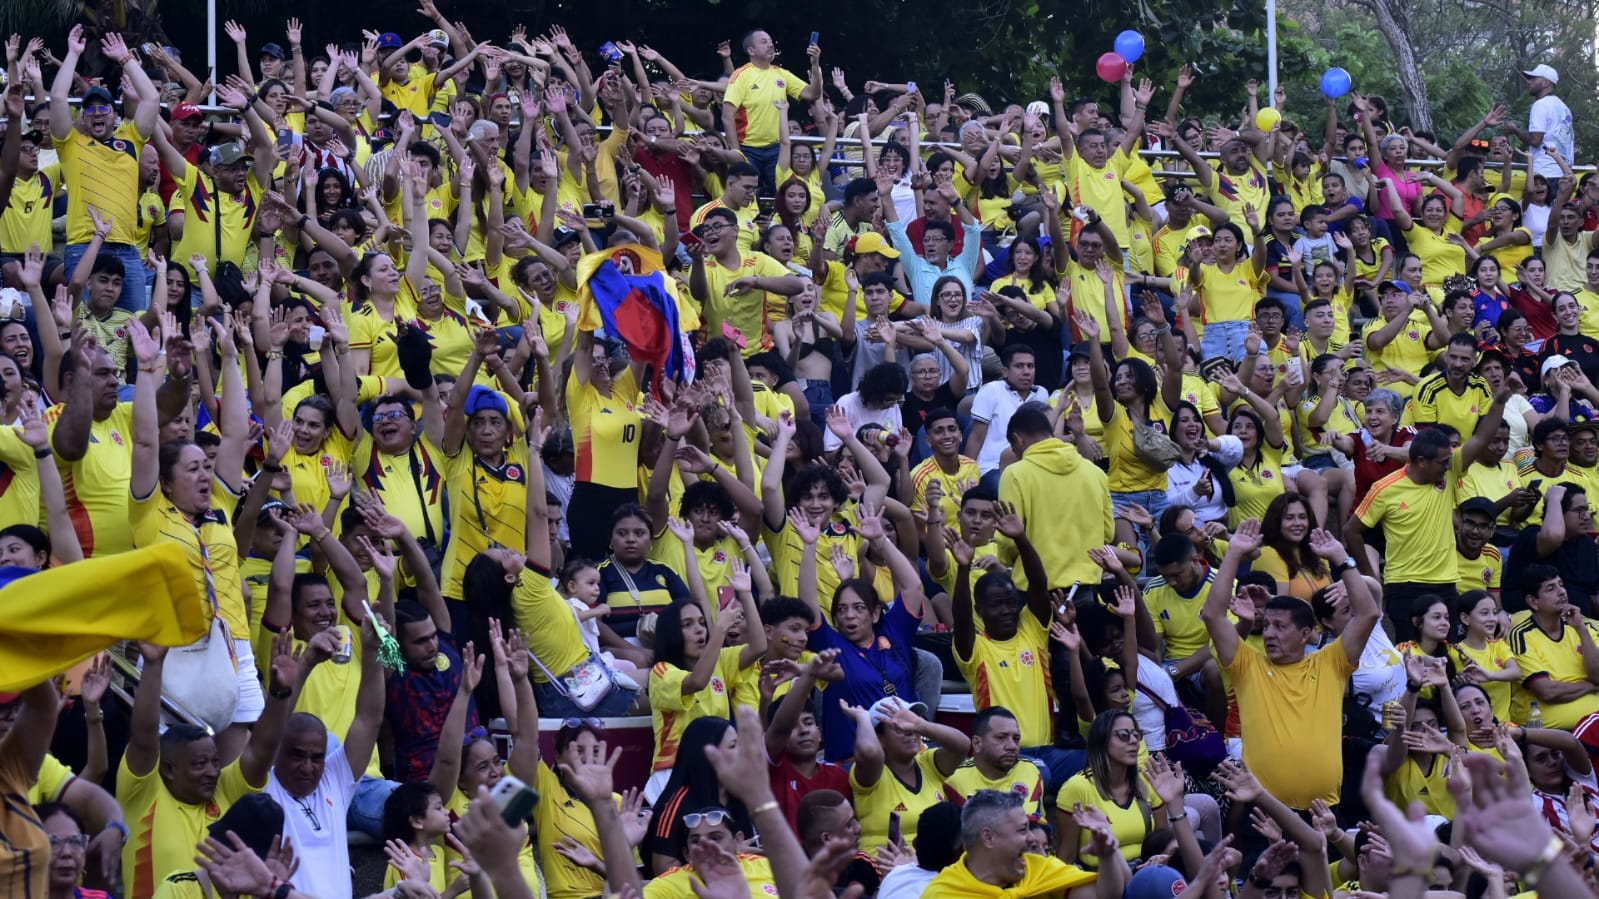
(252, 701)
(656, 785)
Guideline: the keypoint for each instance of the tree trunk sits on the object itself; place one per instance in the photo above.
(1394, 23)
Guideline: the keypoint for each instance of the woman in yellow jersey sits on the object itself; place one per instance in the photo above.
(1032, 268)
(788, 245)
(1287, 555)
(604, 403)
(803, 163)
(1436, 238)
(382, 296)
(1111, 783)
(318, 459)
(180, 495)
(472, 762)
(1078, 397)
(896, 772)
(1225, 292)
(1507, 239)
(1484, 656)
(449, 333)
(697, 663)
(1258, 478)
(1374, 258)
(1131, 398)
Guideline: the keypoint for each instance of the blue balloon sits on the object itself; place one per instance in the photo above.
(1130, 45)
(1335, 82)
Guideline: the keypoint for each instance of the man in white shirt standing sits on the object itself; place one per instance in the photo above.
(314, 781)
(993, 405)
(1548, 124)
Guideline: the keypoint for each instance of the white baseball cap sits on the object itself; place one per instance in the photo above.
(1543, 71)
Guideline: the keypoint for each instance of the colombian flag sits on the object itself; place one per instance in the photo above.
(58, 617)
(626, 291)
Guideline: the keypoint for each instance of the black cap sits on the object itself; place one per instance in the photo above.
(564, 235)
(275, 51)
(97, 93)
(1480, 504)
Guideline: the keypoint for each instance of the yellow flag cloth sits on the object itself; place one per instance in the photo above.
(1045, 877)
(54, 619)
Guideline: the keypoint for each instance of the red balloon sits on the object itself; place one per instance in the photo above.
(1111, 67)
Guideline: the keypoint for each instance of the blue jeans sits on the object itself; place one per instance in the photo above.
(366, 808)
(1058, 764)
(765, 159)
(1224, 339)
(1295, 316)
(135, 291)
(1153, 501)
(554, 704)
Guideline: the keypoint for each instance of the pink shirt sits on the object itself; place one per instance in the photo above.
(1408, 184)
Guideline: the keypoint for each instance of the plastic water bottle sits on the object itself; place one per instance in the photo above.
(1534, 715)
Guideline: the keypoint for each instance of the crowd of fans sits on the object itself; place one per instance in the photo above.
(1242, 478)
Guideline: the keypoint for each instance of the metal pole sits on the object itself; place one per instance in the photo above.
(210, 47)
(1271, 49)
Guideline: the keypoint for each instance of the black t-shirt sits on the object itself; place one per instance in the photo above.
(1046, 346)
(1576, 560)
(1579, 348)
(913, 412)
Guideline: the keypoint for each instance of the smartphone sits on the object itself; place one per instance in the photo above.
(893, 827)
(691, 239)
(734, 334)
(1535, 483)
(910, 87)
(725, 597)
(513, 799)
(316, 335)
(814, 36)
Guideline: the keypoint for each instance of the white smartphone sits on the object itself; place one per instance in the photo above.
(514, 799)
(317, 333)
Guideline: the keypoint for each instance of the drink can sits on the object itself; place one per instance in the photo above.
(346, 645)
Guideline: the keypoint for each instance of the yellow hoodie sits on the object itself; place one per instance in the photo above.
(1065, 501)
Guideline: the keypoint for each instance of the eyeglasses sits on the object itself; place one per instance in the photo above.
(1128, 734)
(78, 842)
(713, 817)
(396, 415)
(1582, 510)
(708, 230)
(99, 109)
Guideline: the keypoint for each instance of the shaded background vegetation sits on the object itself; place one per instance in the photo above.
(1468, 52)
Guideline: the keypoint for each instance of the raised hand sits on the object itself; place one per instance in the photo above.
(1009, 522)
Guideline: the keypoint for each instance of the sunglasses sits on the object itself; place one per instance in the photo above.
(595, 723)
(99, 109)
(712, 817)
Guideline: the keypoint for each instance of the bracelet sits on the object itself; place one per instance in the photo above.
(273, 467)
(274, 354)
(284, 693)
(768, 806)
(317, 538)
(119, 827)
(1546, 858)
(154, 370)
(300, 225)
(94, 719)
(42, 453)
